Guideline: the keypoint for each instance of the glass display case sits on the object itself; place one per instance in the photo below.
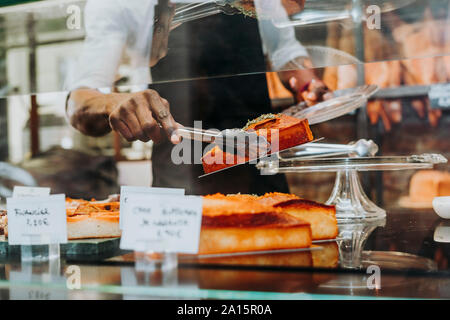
(222, 63)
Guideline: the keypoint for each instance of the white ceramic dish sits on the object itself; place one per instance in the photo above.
(441, 206)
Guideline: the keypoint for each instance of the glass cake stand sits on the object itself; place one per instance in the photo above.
(352, 204)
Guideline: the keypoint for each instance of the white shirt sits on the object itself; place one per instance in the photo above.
(280, 44)
(115, 26)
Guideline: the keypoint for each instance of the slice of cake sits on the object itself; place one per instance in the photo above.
(281, 131)
(321, 217)
(252, 232)
(89, 220)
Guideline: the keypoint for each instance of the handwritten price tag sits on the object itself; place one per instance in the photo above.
(37, 220)
(126, 191)
(164, 223)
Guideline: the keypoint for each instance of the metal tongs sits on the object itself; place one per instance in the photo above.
(235, 141)
(360, 148)
(194, 11)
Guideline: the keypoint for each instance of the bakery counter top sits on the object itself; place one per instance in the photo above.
(404, 256)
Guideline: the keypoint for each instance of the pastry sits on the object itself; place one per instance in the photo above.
(281, 131)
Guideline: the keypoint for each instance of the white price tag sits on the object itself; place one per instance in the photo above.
(163, 223)
(125, 191)
(22, 192)
(37, 220)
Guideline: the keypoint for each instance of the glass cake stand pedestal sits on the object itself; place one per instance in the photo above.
(352, 204)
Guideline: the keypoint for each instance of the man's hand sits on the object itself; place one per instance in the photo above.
(164, 13)
(140, 116)
(313, 92)
(300, 79)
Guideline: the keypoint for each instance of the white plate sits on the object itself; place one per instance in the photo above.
(441, 206)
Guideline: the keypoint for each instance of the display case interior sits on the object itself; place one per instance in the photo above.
(230, 60)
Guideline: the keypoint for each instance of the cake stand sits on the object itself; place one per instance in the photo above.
(352, 204)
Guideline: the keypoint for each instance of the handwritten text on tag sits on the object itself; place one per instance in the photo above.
(37, 220)
(164, 223)
(126, 191)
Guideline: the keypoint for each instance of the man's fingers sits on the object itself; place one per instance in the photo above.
(161, 112)
(155, 131)
(152, 130)
(135, 127)
(127, 114)
(293, 83)
(148, 124)
(312, 96)
(120, 126)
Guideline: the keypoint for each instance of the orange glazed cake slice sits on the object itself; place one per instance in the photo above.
(252, 232)
(281, 131)
(321, 217)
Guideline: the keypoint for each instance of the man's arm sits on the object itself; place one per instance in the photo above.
(287, 56)
(136, 116)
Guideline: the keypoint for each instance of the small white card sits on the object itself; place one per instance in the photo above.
(37, 220)
(162, 223)
(125, 191)
(22, 192)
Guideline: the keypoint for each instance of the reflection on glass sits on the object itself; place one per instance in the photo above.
(352, 238)
(63, 51)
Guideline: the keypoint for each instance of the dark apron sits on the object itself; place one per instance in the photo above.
(216, 48)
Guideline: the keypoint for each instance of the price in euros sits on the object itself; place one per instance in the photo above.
(164, 233)
(37, 222)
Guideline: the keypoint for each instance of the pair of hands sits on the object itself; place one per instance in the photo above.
(146, 116)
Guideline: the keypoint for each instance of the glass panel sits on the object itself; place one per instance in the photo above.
(113, 282)
(61, 45)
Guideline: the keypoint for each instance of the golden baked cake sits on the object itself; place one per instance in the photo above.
(252, 232)
(281, 131)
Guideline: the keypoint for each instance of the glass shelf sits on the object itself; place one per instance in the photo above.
(412, 266)
(352, 204)
(197, 52)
